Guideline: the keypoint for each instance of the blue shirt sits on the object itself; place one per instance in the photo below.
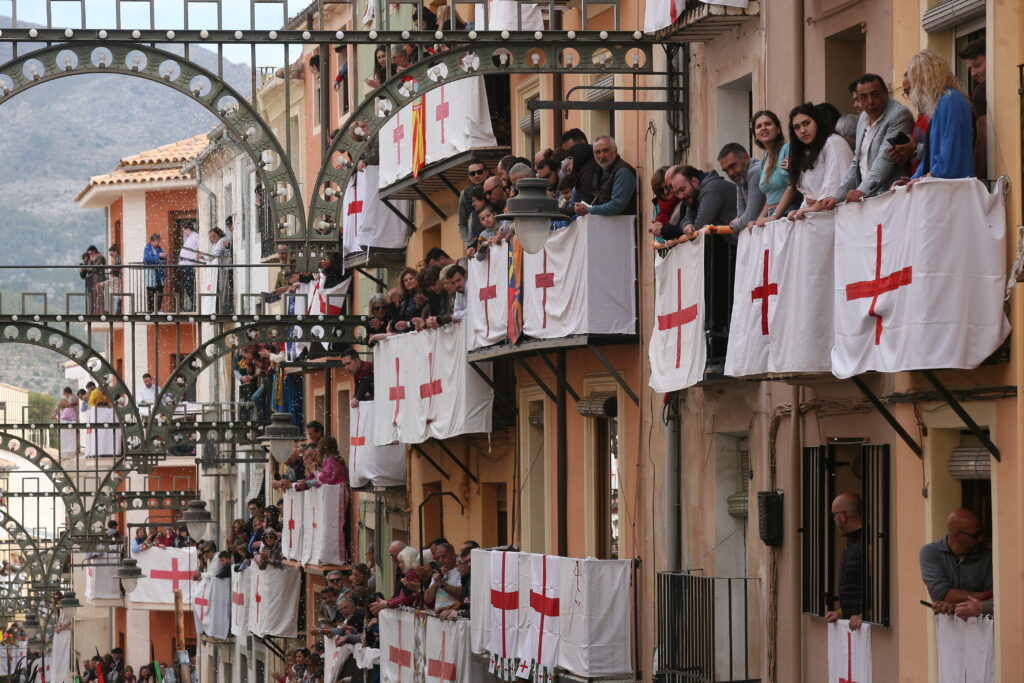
(950, 151)
(774, 187)
(623, 189)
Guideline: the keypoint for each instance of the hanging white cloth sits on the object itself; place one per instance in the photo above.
(849, 653)
(678, 351)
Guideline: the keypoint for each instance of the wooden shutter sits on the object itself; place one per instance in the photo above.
(814, 541)
(876, 515)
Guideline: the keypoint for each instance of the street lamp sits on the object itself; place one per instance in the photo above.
(532, 211)
(196, 517)
(280, 435)
(69, 604)
(129, 573)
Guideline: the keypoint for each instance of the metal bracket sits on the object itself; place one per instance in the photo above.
(462, 466)
(883, 410)
(559, 378)
(401, 216)
(362, 271)
(950, 399)
(416, 447)
(536, 378)
(430, 203)
(426, 499)
(619, 379)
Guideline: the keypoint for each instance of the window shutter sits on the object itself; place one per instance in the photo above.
(875, 497)
(815, 593)
(524, 123)
(600, 90)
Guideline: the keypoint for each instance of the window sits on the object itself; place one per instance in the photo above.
(678, 85)
(606, 486)
(533, 465)
(853, 467)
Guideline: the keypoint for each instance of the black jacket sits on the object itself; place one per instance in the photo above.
(851, 575)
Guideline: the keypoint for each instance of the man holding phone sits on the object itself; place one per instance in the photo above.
(445, 590)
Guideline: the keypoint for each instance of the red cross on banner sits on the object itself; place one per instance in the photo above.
(488, 292)
(880, 285)
(438, 668)
(396, 137)
(849, 660)
(544, 281)
(174, 575)
(433, 386)
(397, 392)
(355, 207)
(399, 656)
(544, 606)
(356, 440)
(203, 602)
(441, 113)
(259, 598)
(764, 291)
(679, 317)
(291, 521)
(238, 599)
(504, 601)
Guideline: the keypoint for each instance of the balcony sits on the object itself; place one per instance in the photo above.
(703, 628)
(579, 291)
(697, 21)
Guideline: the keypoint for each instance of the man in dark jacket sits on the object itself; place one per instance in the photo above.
(613, 192)
(362, 373)
(710, 200)
(846, 513)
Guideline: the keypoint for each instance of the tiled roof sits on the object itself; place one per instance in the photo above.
(156, 165)
(175, 153)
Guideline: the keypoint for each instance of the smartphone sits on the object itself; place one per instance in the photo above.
(900, 138)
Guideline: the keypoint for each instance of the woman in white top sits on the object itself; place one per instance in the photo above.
(818, 158)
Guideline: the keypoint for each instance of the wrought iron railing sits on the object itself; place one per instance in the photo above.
(703, 624)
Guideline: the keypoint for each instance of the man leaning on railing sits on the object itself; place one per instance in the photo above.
(957, 569)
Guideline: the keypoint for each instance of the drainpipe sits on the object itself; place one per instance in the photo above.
(561, 457)
(672, 494)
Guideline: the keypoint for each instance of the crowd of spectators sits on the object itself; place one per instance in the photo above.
(111, 668)
(820, 159)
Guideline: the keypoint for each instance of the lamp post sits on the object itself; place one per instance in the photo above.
(69, 604)
(532, 211)
(280, 435)
(196, 517)
(128, 573)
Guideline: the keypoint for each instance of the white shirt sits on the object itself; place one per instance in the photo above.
(189, 254)
(827, 175)
(442, 600)
(145, 395)
(865, 146)
(459, 307)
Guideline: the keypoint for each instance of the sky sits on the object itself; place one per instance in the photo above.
(168, 14)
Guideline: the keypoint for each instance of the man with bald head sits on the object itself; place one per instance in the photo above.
(846, 513)
(957, 569)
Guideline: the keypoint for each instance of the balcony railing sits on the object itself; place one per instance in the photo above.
(703, 628)
(699, 21)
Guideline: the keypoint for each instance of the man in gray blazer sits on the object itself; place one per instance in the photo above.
(873, 170)
(746, 173)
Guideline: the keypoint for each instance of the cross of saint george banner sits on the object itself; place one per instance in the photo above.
(291, 521)
(543, 605)
(239, 600)
(764, 291)
(849, 660)
(396, 136)
(203, 602)
(880, 285)
(486, 293)
(355, 207)
(355, 441)
(174, 575)
(397, 392)
(544, 281)
(438, 668)
(403, 658)
(505, 601)
(679, 317)
(433, 386)
(441, 113)
(259, 598)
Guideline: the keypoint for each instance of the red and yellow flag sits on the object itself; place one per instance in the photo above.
(419, 136)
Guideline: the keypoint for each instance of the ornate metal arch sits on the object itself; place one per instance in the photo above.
(260, 329)
(465, 61)
(36, 568)
(132, 59)
(50, 467)
(90, 360)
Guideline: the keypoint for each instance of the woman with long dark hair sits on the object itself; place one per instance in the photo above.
(766, 129)
(380, 67)
(818, 157)
(412, 301)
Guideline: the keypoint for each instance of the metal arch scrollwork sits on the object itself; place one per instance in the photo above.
(202, 86)
(464, 61)
(90, 360)
(50, 467)
(313, 328)
(37, 569)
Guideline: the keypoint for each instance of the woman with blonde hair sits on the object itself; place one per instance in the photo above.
(934, 91)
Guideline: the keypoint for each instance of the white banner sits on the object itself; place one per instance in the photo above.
(595, 593)
(325, 529)
(164, 571)
(678, 352)
(447, 651)
(100, 583)
(487, 298)
(480, 602)
(539, 643)
(919, 278)
(966, 649)
(211, 606)
(368, 222)
(292, 530)
(101, 441)
(240, 595)
(369, 464)
(397, 645)
(274, 601)
(458, 118)
(849, 653)
(335, 657)
(396, 147)
(503, 15)
(782, 309)
(583, 280)
(426, 389)
(503, 602)
(59, 666)
(11, 656)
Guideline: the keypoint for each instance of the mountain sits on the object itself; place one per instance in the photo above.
(53, 137)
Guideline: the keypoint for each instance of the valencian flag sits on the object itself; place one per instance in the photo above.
(515, 290)
(419, 137)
